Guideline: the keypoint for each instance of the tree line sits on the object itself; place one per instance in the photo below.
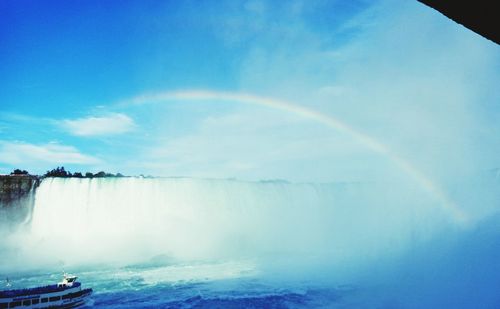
(62, 172)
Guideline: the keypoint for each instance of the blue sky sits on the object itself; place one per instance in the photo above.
(401, 73)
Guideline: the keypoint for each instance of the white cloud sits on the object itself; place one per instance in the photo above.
(95, 126)
(28, 154)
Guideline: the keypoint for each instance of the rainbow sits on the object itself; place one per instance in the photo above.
(329, 121)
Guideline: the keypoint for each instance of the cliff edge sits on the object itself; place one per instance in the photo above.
(17, 197)
(16, 187)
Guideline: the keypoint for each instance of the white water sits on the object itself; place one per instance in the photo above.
(132, 220)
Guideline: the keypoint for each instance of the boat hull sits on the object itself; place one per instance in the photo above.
(66, 298)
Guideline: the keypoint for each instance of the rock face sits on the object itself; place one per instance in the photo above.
(17, 197)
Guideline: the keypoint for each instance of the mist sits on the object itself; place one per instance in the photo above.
(387, 239)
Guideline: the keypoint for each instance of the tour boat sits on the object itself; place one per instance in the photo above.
(66, 294)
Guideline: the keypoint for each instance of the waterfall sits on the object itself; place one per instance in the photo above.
(127, 220)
